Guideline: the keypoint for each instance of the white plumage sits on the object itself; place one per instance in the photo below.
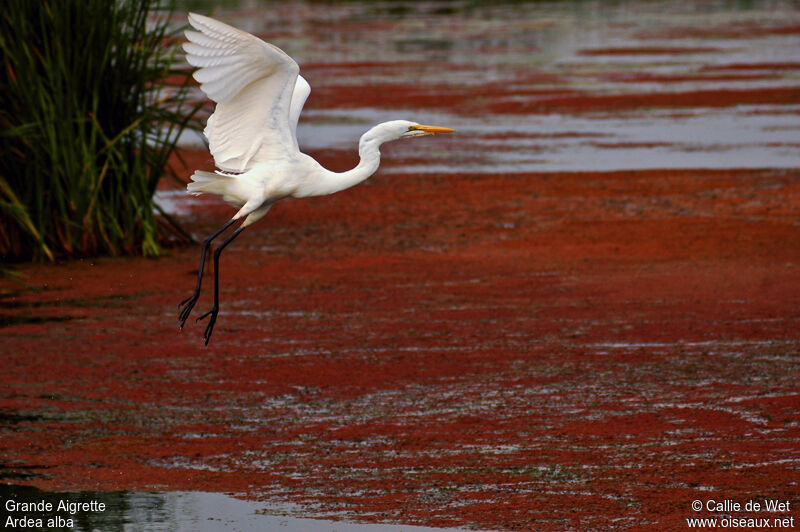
(252, 83)
(252, 134)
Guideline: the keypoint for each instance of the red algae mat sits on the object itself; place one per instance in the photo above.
(529, 348)
(438, 368)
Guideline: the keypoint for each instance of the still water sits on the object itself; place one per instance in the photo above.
(175, 511)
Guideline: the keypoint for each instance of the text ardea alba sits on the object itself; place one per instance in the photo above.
(252, 135)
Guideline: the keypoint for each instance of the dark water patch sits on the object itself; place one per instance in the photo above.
(29, 507)
(114, 301)
(35, 422)
(9, 419)
(110, 301)
(7, 320)
(178, 511)
(12, 472)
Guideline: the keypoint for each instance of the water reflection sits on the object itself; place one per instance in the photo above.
(179, 511)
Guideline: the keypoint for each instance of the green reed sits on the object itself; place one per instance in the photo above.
(91, 106)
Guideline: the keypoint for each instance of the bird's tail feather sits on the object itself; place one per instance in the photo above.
(215, 183)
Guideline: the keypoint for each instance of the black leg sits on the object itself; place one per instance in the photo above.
(215, 309)
(189, 302)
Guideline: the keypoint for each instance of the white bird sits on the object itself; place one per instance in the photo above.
(252, 135)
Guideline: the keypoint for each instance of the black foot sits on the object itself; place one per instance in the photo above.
(210, 327)
(187, 306)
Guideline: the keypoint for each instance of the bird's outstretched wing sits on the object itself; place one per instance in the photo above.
(252, 83)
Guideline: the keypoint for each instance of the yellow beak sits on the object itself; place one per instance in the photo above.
(432, 129)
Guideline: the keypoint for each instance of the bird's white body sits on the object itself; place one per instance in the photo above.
(293, 174)
(252, 133)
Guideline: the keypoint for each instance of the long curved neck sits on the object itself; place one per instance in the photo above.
(328, 182)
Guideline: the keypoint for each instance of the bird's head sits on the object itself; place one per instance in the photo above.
(402, 129)
(418, 130)
(396, 129)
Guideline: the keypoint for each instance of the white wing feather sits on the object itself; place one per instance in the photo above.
(301, 91)
(253, 84)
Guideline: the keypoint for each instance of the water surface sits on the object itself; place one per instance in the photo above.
(175, 511)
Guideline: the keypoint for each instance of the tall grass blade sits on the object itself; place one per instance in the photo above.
(91, 105)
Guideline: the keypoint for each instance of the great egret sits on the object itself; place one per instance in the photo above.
(252, 135)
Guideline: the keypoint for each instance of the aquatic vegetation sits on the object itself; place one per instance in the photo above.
(91, 107)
